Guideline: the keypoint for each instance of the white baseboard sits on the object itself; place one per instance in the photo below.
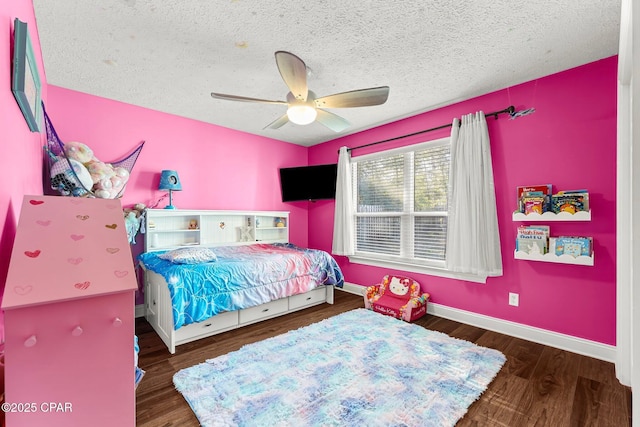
(541, 336)
(530, 333)
(139, 311)
(352, 288)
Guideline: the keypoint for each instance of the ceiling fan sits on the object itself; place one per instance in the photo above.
(303, 105)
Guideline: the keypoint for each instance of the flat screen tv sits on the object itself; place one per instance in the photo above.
(308, 182)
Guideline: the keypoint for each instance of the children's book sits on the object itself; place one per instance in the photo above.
(534, 191)
(571, 201)
(574, 246)
(534, 204)
(533, 239)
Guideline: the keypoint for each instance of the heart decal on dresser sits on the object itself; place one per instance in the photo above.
(82, 217)
(32, 254)
(36, 202)
(77, 237)
(74, 261)
(112, 226)
(43, 222)
(120, 273)
(82, 285)
(113, 250)
(22, 290)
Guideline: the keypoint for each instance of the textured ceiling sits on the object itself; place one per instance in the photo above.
(170, 55)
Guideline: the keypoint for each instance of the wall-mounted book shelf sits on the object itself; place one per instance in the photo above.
(552, 216)
(559, 259)
(537, 203)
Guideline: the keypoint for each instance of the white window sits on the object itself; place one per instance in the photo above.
(400, 205)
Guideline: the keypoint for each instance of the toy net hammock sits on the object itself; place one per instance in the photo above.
(67, 181)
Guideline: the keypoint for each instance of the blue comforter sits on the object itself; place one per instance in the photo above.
(242, 276)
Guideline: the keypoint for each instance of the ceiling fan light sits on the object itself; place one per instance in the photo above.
(302, 114)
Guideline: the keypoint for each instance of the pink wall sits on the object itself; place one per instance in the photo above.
(219, 168)
(572, 134)
(570, 141)
(21, 162)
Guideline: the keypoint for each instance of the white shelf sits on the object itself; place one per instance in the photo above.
(190, 230)
(551, 216)
(550, 257)
(215, 228)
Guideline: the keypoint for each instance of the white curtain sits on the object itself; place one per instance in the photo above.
(343, 218)
(473, 238)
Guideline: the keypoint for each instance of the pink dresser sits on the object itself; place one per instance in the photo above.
(69, 316)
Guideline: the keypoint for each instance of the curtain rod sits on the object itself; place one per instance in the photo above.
(509, 110)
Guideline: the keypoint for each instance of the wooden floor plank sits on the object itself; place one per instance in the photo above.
(524, 357)
(439, 324)
(538, 385)
(550, 390)
(497, 404)
(586, 402)
(495, 340)
(467, 333)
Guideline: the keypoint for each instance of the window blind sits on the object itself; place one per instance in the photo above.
(401, 203)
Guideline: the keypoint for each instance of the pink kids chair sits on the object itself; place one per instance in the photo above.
(397, 296)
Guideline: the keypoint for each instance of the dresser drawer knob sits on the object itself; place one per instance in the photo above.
(77, 331)
(31, 341)
(117, 322)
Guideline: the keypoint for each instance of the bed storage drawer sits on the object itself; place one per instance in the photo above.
(310, 298)
(263, 311)
(226, 320)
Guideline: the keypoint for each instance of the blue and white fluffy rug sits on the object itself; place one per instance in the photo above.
(358, 368)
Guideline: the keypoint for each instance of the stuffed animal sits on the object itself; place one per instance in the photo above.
(93, 176)
(63, 179)
(108, 182)
(119, 180)
(134, 221)
(78, 151)
(99, 171)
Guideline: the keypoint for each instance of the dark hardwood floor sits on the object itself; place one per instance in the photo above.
(538, 385)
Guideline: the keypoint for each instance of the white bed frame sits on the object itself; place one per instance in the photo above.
(159, 312)
(170, 229)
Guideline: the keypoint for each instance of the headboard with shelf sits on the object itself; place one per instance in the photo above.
(170, 229)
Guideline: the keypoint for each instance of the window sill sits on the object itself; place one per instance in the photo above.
(422, 269)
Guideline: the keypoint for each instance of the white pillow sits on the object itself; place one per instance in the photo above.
(189, 256)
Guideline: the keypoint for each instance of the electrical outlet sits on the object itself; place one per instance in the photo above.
(514, 299)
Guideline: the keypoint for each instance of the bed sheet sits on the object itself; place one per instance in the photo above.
(243, 276)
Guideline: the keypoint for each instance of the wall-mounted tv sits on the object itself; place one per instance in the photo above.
(308, 182)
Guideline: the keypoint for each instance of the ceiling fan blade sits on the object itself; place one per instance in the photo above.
(278, 123)
(355, 98)
(294, 73)
(332, 121)
(243, 98)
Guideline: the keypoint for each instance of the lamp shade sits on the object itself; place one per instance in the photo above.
(169, 180)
